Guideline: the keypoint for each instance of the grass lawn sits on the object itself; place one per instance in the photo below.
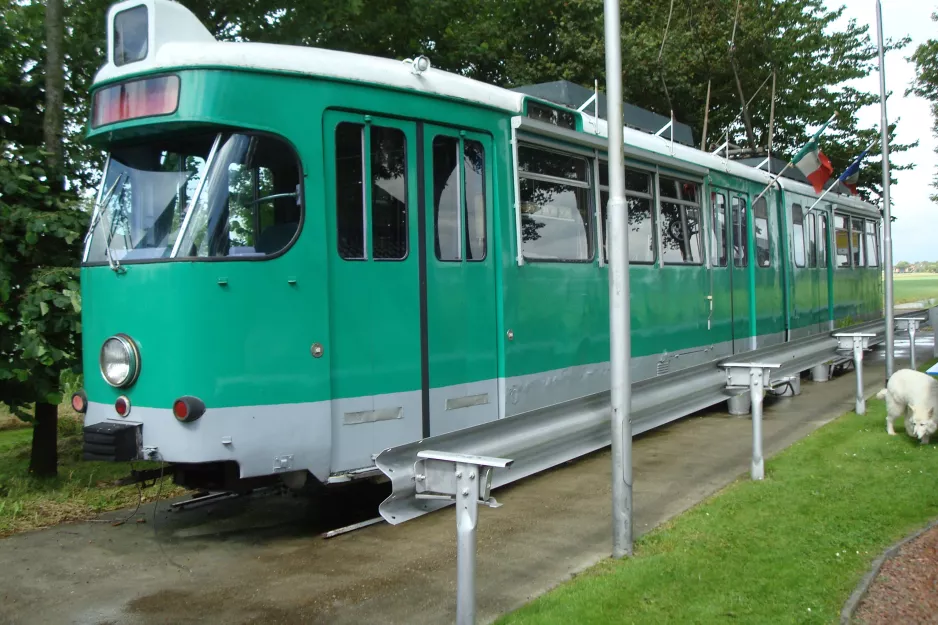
(914, 287)
(789, 549)
(81, 491)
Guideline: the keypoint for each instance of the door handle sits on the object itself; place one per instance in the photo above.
(710, 316)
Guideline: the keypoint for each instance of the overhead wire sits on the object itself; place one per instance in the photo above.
(664, 39)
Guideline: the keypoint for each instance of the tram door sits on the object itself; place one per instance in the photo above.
(457, 209)
(370, 237)
(740, 285)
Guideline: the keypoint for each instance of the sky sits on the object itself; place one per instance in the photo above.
(914, 231)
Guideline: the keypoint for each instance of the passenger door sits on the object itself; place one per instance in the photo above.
(371, 195)
(739, 238)
(462, 389)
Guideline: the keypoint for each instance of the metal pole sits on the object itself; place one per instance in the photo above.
(757, 471)
(858, 365)
(913, 326)
(887, 209)
(467, 517)
(619, 339)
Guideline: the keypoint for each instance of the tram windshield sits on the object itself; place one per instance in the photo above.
(250, 203)
(240, 198)
(144, 196)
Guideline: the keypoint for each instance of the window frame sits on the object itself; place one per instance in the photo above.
(794, 236)
(701, 246)
(367, 182)
(461, 138)
(588, 185)
(741, 200)
(862, 238)
(724, 261)
(768, 234)
(871, 229)
(845, 228)
(602, 217)
(822, 242)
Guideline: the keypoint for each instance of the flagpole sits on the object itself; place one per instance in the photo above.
(887, 208)
(818, 201)
(619, 315)
(790, 163)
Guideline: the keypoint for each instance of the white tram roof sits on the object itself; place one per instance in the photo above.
(177, 39)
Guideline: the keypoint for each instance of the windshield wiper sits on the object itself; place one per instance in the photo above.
(99, 210)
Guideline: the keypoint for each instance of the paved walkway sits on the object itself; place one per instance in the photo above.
(262, 561)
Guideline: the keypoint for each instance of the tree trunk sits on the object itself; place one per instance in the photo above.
(55, 86)
(44, 458)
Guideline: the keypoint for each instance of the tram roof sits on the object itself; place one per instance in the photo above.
(177, 39)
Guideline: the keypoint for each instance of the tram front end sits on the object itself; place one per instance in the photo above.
(203, 323)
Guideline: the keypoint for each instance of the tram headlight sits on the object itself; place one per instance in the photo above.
(119, 361)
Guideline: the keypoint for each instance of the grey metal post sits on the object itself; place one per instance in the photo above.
(858, 365)
(467, 518)
(757, 470)
(619, 339)
(933, 322)
(756, 376)
(857, 342)
(467, 480)
(912, 328)
(887, 208)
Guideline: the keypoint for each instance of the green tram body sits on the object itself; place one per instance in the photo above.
(312, 359)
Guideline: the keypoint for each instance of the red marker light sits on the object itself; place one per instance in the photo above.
(79, 402)
(122, 406)
(187, 409)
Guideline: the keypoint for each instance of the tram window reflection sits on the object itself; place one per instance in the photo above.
(638, 200)
(680, 221)
(761, 233)
(856, 242)
(842, 241)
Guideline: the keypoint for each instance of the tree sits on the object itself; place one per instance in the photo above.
(39, 226)
(902, 265)
(926, 83)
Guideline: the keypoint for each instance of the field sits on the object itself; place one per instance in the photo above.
(789, 549)
(81, 491)
(915, 287)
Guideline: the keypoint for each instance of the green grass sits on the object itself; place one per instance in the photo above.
(789, 549)
(915, 287)
(82, 490)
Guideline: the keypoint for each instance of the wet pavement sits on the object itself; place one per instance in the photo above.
(263, 560)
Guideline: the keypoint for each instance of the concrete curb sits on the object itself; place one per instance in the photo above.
(846, 615)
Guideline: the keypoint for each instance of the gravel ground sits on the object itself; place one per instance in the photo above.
(906, 589)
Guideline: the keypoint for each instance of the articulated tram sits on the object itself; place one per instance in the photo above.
(300, 258)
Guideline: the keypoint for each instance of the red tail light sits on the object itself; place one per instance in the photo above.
(80, 402)
(122, 406)
(188, 409)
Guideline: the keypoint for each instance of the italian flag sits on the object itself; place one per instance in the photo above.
(813, 164)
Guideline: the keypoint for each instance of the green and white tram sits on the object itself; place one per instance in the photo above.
(303, 257)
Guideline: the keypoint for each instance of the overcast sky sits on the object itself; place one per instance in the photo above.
(916, 226)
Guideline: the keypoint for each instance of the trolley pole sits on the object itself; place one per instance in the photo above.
(887, 208)
(619, 339)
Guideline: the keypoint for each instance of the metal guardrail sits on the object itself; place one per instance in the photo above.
(544, 438)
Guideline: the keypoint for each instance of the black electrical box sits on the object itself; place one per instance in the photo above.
(111, 441)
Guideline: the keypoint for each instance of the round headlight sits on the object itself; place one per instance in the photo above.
(119, 361)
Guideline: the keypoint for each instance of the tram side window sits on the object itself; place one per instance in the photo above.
(811, 234)
(761, 232)
(872, 245)
(458, 199)
(718, 234)
(680, 221)
(638, 199)
(856, 242)
(385, 169)
(740, 233)
(250, 204)
(841, 241)
(822, 241)
(797, 221)
(555, 205)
